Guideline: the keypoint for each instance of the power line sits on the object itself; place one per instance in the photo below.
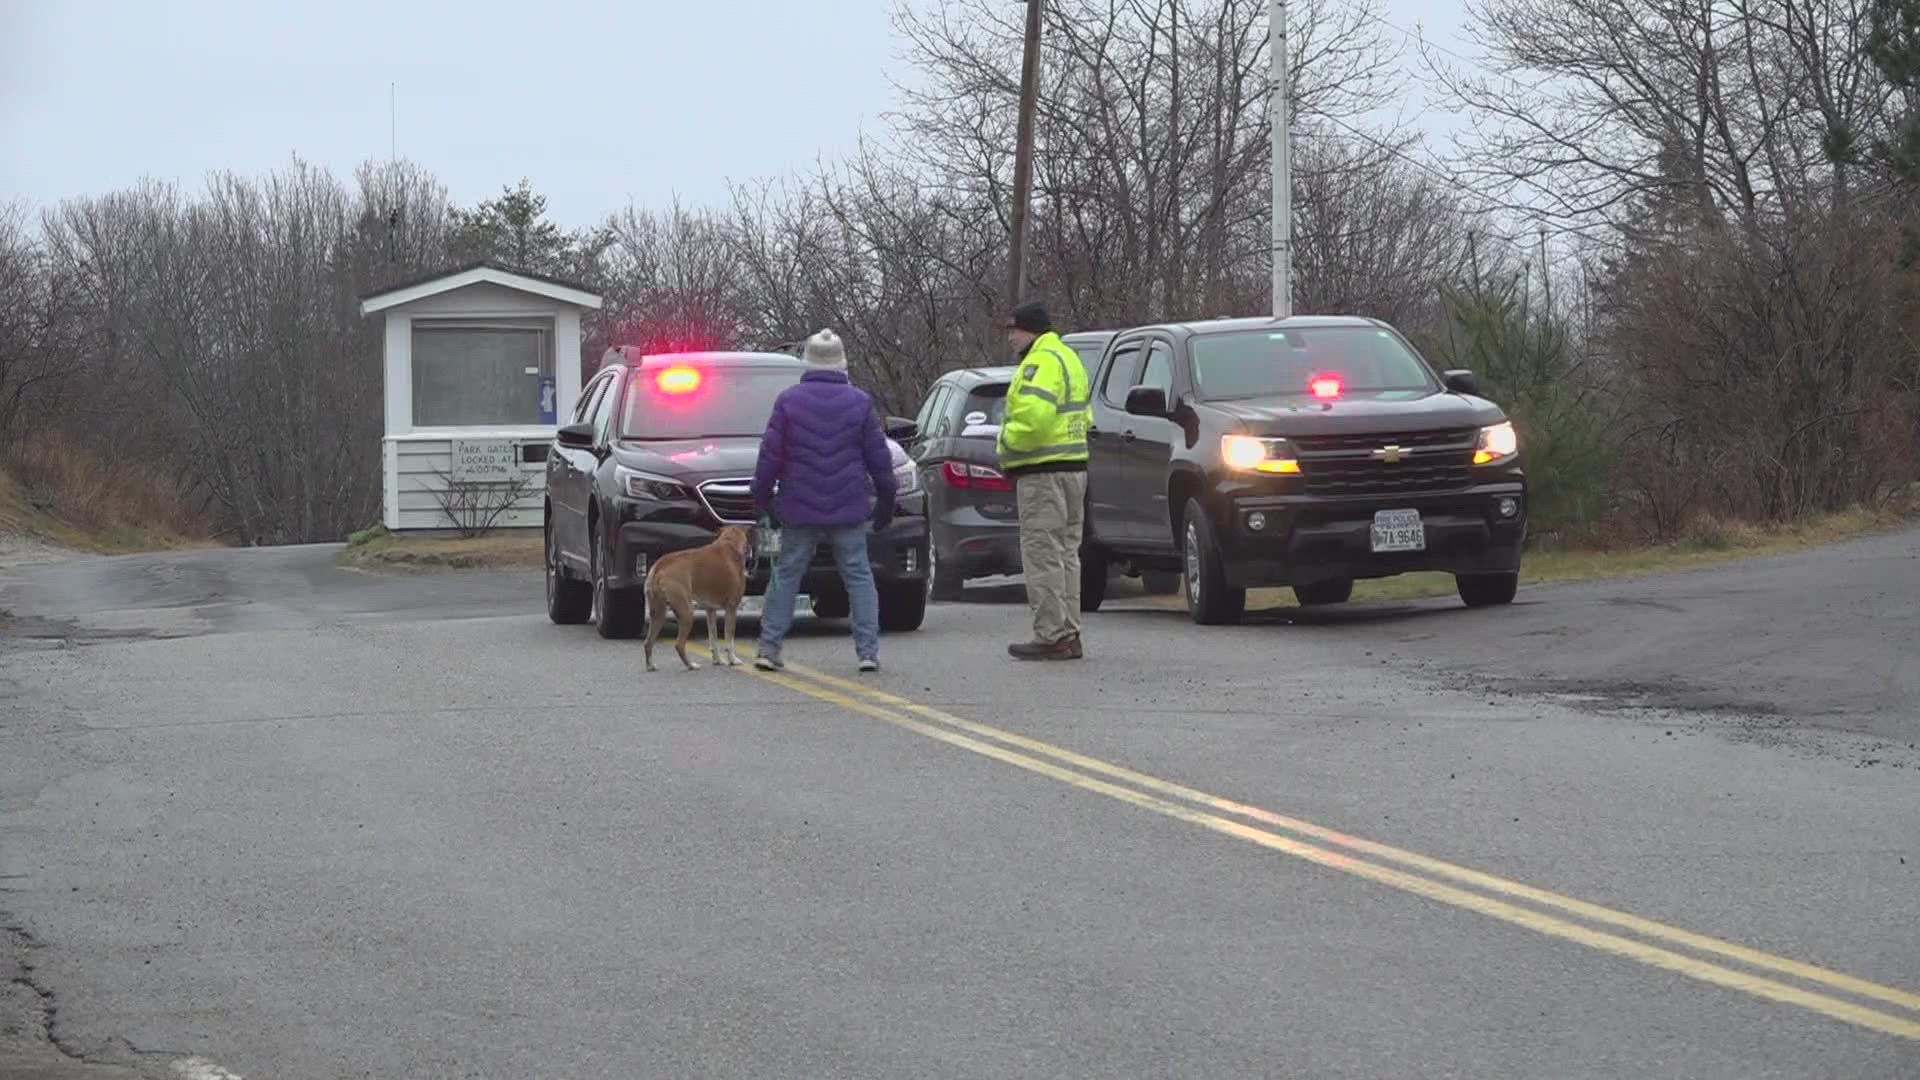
(1422, 39)
(1486, 201)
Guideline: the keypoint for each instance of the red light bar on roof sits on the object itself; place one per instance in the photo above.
(679, 379)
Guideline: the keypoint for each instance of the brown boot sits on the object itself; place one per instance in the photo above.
(1064, 649)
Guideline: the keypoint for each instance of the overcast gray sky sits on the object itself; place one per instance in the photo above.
(596, 103)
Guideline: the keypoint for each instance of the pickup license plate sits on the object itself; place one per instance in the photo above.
(1398, 530)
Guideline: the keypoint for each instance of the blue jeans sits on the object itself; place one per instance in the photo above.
(797, 545)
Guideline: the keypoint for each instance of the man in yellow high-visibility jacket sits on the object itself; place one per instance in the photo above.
(1043, 449)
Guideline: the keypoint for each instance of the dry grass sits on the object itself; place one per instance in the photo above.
(75, 498)
(1707, 543)
(377, 549)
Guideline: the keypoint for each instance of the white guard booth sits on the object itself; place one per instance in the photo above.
(481, 362)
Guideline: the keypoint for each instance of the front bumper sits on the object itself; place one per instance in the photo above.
(1307, 539)
(898, 554)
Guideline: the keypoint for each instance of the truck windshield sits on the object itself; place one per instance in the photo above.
(1273, 363)
(698, 401)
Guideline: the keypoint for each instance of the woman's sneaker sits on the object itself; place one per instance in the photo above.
(869, 664)
(768, 662)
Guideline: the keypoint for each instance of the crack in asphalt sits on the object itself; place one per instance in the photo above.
(19, 943)
(42, 1024)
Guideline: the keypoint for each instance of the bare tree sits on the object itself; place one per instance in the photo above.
(33, 323)
(234, 320)
(1612, 112)
(1151, 180)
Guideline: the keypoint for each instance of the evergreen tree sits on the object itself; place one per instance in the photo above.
(513, 229)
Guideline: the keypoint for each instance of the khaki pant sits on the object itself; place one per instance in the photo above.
(1053, 507)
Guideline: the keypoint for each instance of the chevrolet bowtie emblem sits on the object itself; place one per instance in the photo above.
(1389, 454)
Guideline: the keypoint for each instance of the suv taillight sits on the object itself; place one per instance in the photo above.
(977, 477)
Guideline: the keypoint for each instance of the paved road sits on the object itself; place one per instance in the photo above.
(263, 818)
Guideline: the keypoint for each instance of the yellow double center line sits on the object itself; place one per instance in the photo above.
(1435, 879)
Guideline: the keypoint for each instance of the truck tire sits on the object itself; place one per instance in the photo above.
(1487, 590)
(903, 607)
(1336, 591)
(1210, 600)
(569, 600)
(833, 604)
(617, 613)
(1093, 577)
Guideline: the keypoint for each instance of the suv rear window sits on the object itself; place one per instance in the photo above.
(720, 402)
(1269, 363)
(989, 398)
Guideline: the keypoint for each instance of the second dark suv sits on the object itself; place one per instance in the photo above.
(1306, 452)
(660, 454)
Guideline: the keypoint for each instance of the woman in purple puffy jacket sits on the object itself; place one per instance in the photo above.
(826, 449)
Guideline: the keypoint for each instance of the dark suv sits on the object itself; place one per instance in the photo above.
(659, 454)
(970, 503)
(1306, 452)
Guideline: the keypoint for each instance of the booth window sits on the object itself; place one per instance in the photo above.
(480, 373)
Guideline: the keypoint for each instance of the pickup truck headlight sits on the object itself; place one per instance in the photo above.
(1496, 444)
(1251, 453)
(635, 484)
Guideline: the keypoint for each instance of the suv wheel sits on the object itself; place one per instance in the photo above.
(1210, 600)
(945, 581)
(617, 613)
(1336, 591)
(1487, 590)
(903, 606)
(569, 601)
(1093, 577)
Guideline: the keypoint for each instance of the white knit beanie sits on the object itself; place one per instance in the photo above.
(825, 352)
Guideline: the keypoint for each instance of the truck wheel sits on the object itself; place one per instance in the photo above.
(1093, 577)
(1210, 600)
(1160, 582)
(1487, 590)
(569, 600)
(1337, 591)
(903, 607)
(617, 613)
(832, 604)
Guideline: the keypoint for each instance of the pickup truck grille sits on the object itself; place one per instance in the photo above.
(1363, 445)
(1427, 461)
(730, 501)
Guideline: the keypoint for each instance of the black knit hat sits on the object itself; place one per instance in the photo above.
(1032, 317)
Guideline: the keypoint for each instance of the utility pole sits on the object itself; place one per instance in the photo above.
(1281, 121)
(1023, 159)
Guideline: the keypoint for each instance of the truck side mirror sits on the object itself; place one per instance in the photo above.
(1461, 381)
(575, 436)
(1147, 401)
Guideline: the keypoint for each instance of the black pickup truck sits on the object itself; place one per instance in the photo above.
(1306, 452)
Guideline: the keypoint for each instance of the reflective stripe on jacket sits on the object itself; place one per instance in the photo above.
(1047, 401)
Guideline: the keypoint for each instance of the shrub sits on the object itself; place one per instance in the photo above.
(1524, 355)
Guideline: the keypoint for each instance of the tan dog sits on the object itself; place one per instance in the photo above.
(714, 576)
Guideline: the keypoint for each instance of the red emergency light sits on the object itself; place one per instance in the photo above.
(678, 379)
(1325, 387)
